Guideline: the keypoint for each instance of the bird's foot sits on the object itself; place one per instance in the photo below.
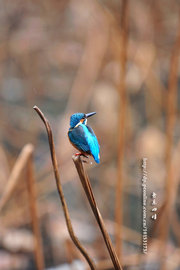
(81, 154)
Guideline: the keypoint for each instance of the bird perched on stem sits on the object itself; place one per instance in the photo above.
(82, 137)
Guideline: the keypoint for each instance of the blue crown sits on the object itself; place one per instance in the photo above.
(75, 118)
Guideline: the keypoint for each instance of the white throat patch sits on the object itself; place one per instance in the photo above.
(78, 124)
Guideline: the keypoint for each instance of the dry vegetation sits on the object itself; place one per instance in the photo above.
(120, 59)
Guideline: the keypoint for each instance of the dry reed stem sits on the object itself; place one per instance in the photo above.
(165, 212)
(14, 177)
(60, 190)
(89, 193)
(171, 118)
(121, 128)
(24, 161)
(159, 223)
(34, 214)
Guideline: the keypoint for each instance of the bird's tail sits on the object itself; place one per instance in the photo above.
(97, 158)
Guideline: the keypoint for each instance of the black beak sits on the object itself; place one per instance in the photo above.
(90, 114)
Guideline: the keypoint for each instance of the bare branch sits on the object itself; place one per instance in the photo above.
(60, 191)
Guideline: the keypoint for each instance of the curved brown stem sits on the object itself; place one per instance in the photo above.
(89, 193)
(60, 191)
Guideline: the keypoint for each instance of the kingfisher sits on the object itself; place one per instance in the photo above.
(82, 137)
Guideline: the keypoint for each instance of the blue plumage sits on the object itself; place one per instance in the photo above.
(82, 136)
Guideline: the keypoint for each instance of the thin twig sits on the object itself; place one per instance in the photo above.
(121, 127)
(89, 193)
(34, 214)
(60, 191)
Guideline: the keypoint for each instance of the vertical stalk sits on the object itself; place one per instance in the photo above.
(90, 196)
(34, 214)
(171, 118)
(121, 127)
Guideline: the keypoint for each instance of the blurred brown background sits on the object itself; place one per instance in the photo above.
(120, 60)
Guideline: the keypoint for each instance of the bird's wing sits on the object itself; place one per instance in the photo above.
(93, 143)
(78, 138)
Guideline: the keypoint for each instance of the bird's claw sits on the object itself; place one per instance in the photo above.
(81, 154)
